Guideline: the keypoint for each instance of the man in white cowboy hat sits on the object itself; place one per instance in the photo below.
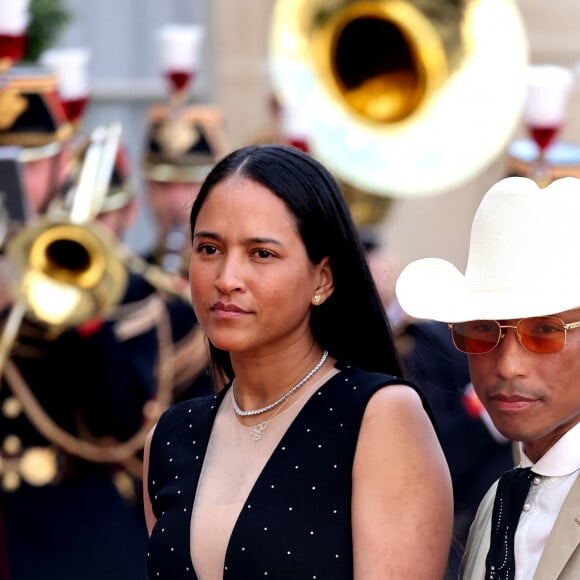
(515, 313)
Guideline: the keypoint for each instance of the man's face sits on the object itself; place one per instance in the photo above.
(171, 203)
(531, 397)
(118, 220)
(42, 178)
(39, 180)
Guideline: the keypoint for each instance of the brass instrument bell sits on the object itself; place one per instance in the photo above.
(65, 267)
(404, 97)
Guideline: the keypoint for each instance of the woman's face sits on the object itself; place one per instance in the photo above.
(252, 283)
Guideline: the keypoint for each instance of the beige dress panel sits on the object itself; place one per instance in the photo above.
(233, 463)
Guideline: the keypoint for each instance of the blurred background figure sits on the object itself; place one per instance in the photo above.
(152, 297)
(78, 395)
(180, 149)
(121, 207)
(34, 121)
(182, 144)
(67, 396)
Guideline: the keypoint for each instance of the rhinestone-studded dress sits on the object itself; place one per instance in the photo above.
(295, 523)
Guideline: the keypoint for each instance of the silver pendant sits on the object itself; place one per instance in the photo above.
(257, 430)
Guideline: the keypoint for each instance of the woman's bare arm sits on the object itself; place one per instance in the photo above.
(402, 505)
(150, 518)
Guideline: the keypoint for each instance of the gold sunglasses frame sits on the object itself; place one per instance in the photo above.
(565, 325)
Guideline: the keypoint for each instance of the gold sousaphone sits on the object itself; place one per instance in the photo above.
(404, 98)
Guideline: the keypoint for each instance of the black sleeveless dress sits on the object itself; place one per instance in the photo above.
(296, 522)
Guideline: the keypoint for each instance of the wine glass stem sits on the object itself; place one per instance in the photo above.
(540, 169)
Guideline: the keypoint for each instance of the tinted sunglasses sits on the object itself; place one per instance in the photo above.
(543, 334)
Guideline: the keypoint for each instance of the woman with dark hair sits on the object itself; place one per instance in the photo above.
(303, 466)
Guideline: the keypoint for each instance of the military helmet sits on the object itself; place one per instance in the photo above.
(31, 114)
(184, 144)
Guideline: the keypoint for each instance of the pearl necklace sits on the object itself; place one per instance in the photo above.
(283, 398)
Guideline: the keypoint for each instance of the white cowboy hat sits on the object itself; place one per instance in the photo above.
(524, 258)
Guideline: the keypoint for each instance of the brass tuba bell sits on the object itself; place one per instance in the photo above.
(65, 267)
(403, 98)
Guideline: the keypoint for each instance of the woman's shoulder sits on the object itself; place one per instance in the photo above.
(179, 414)
(189, 406)
(370, 379)
(377, 387)
(356, 386)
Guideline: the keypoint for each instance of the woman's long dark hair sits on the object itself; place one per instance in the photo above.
(351, 324)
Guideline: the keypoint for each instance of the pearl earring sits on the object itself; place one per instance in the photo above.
(317, 299)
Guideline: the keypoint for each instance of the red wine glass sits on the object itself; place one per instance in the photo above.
(549, 87)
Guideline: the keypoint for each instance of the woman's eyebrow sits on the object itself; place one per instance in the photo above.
(252, 240)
